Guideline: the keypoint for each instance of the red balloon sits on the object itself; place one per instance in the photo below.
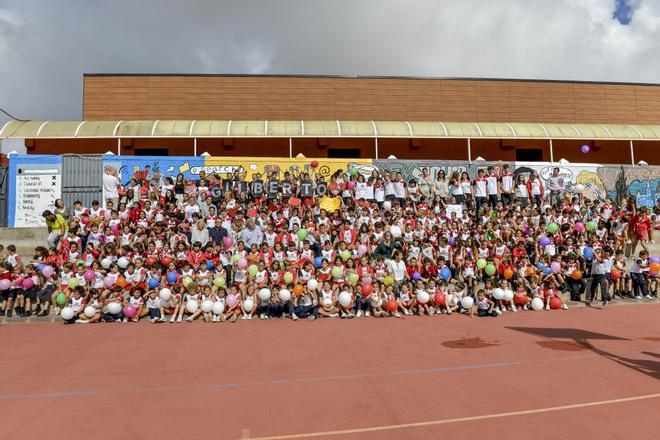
(293, 201)
(165, 261)
(391, 306)
(440, 299)
(150, 261)
(366, 290)
(616, 274)
(520, 300)
(555, 303)
(314, 164)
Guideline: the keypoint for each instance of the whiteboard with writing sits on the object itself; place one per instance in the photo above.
(36, 191)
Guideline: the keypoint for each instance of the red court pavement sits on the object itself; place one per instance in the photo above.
(258, 379)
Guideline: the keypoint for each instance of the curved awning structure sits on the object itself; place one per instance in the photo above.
(316, 129)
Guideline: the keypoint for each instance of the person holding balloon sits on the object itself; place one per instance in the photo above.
(327, 299)
(248, 302)
(137, 301)
(93, 308)
(640, 266)
(483, 305)
(552, 294)
(113, 305)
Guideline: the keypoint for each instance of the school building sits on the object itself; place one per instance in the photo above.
(356, 117)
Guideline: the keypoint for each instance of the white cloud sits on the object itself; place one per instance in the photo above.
(44, 57)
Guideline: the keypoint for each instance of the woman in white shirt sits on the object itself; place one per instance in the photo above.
(441, 186)
(521, 190)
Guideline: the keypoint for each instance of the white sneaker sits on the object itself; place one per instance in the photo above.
(525, 307)
(498, 311)
(294, 317)
(648, 297)
(343, 315)
(311, 318)
(250, 317)
(397, 314)
(189, 319)
(513, 308)
(173, 318)
(125, 320)
(638, 296)
(179, 319)
(358, 314)
(153, 320)
(547, 307)
(431, 310)
(244, 317)
(449, 312)
(564, 306)
(57, 311)
(367, 313)
(162, 319)
(335, 315)
(81, 321)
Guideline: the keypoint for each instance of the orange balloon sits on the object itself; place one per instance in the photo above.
(121, 282)
(529, 271)
(577, 274)
(655, 267)
(298, 290)
(508, 274)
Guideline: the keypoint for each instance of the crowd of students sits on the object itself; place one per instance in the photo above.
(216, 249)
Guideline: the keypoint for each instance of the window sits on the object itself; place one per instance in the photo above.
(344, 153)
(529, 154)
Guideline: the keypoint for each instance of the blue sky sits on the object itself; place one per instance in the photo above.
(623, 11)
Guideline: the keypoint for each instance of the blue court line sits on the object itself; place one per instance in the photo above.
(223, 386)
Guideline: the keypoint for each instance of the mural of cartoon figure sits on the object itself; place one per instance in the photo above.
(594, 188)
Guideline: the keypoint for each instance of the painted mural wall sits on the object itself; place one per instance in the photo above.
(35, 180)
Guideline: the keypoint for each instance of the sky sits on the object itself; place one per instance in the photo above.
(47, 45)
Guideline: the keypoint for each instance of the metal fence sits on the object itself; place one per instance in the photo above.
(3, 195)
(82, 179)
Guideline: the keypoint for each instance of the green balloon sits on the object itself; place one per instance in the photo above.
(352, 278)
(187, 281)
(337, 271)
(345, 255)
(302, 234)
(73, 283)
(353, 171)
(288, 277)
(481, 263)
(490, 270)
(235, 258)
(552, 227)
(591, 225)
(60, 299)
(253, 269)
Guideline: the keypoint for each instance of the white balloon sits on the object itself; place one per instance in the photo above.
(192, 306)
(165, 294)
(114, 308)
(106, 262)
(508, 295)
(122, 262)
(537, 304)
(578, 189)
(327, 302)
(248, 305)
(207, 306)
(498, 293)
(345, 299)
(387, 205)
(312, 284)
(218, 307)
(423, 297)
(264, 294)
(67, 313)
(467, 302)
(90, 311)
(285, 295)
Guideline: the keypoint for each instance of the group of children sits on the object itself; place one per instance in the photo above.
(173, 251)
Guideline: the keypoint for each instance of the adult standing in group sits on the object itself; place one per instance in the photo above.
(111, 185)
(492, 186)
(556, 187)
(252, 234)
(57, 227)
(506, 185)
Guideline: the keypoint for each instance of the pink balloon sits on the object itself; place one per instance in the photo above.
(5, 284)
(232, 300)
(579, 226)
(228, 242)
(114, 229)
(89, 275)
(362, 249)
(109, 281)
(242, 263)
(556, 267)
(366, 280)
(351, 185)
(28, 283)
(48, 271)
(130, 310)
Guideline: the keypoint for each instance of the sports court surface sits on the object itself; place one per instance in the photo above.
(585, 373)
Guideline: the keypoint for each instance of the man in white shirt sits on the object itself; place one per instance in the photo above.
(480, 194)
(111, 186)
(599, 267)
(492, 186)
(506, 185)
(556, 187)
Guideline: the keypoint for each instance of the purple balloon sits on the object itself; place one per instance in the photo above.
(544, 241)
(451, 241)
(416, 276)
(5, 284)
(585, 148)
(654, 260)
